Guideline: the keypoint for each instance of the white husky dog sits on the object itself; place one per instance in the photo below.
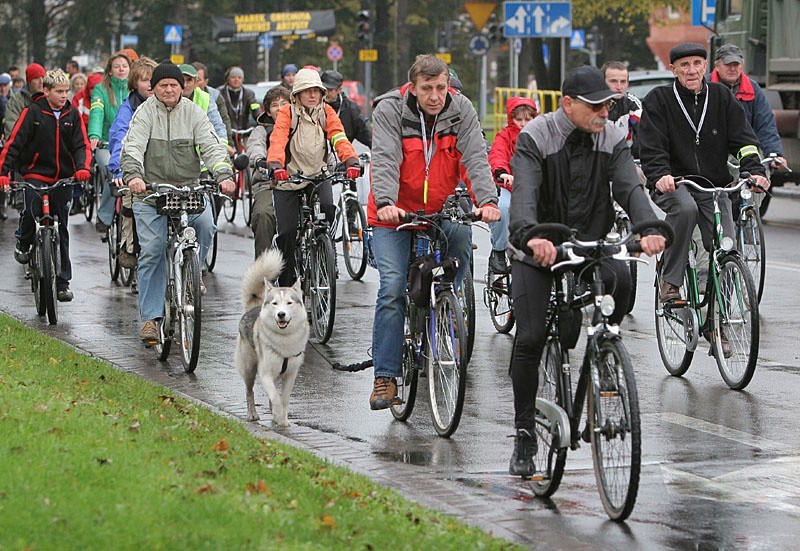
(273, 333)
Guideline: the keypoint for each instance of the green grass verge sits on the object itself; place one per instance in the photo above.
(95, 458)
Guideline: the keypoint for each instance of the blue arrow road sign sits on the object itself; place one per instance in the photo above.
(173, 34)
(537, 19)
(478, 44)
(703, 12)
(577, 40)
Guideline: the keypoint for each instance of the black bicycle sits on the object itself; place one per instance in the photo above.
(606, 382)
(45, 254)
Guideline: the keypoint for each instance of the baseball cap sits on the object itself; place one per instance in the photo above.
(332, 79)
(5, 78)
(187, 69)
(588, 85)
(729, 53)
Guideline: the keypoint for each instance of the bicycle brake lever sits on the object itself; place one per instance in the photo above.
(572, 260)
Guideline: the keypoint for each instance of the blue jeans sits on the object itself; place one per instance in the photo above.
(392, 254)
(500, 228)
(105, 212)
(152, 271)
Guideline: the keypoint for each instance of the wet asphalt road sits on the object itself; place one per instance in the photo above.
(720, 468)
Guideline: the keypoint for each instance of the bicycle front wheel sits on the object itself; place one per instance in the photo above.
(751, 245)
(498, 300)
(354, 222)
(549, 460)
(189, 311)
(735, 322)
(88, 199)
(35, 270)
(229, 207)
(322, 287)
(247, 196)
(615, 429)
(49, 274)
(446, 363)
(112, 240)
(675, 327)
(406, 385)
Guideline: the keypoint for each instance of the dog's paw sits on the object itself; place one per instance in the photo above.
(252, 416)
(281, 423)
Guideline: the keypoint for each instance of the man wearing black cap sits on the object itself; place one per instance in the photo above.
(562, 166)
(688, 128)
(356, 127)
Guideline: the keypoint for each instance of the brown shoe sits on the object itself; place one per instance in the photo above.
(149, 333)
(384, 393)
(727, 351)
(669, 292)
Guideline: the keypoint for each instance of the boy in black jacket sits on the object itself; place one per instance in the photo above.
(48, 143)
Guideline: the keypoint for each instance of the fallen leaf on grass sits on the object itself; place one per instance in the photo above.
(221, 446)
(328, 522)
(205, 489)
(54, 360)
(135, 426)
(259, 488)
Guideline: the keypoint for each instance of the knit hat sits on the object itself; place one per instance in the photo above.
(305, 79)
(288, 68)
(34, 70)
(166, 69)
(685, 50)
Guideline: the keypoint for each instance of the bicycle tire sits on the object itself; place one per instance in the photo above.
(498, 300)
(355, 258)
(615, 429)
(125, 274)
(164, 344)
(446, 368)
(466, 295)
(673, 330)
(112, 241)
(740, 321)
(211, 255)
(35, 268)
(247, 197)
(49, 274)
(322, 287)
(752, 247)
(549, 461)
(634, 269)
(88, 200)
(190, 311)
(407, 384)
(229, 207)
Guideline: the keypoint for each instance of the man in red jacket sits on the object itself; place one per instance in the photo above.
(48, 143)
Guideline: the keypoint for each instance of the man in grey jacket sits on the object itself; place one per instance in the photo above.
(161, 146)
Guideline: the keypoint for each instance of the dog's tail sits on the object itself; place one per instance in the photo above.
(267, 266)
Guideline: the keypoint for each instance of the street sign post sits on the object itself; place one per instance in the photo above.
(578, 39)
(335, 53)
(537, 19)
(265, 41)
(480, 12)
(173, 34)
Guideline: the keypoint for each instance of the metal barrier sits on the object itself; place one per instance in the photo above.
(546, 101)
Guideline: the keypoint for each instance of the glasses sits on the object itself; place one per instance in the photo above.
(597, 107)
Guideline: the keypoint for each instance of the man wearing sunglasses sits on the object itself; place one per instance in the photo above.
(563, 165)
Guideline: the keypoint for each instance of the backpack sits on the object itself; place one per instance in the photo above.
(321, 122)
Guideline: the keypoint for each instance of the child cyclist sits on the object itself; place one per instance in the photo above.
(48, 143)
(299, 142)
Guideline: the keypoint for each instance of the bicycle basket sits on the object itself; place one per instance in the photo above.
(420, 276)
(171, 204)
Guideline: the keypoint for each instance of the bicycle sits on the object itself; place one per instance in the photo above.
(113, 240)
(350, 224)
(242, 179)
(497, 298)
(435, 330)
(606, 383)
(216, 199)
(182, 299)
(45, 254)
(731, 300)
(623, 226)
(315, 257)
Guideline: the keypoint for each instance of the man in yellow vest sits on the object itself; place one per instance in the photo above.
(203, 99)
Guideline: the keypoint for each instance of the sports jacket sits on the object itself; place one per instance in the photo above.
(398, 157)
(245, 101)
(104, 110)
(506, 141)
(356, 127)
(45, 148)
(562, 174)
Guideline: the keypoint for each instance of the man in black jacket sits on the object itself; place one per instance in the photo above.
(562, 165)
(355, 125)
(689, 128)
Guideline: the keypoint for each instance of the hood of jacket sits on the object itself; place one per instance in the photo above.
(305, 79)
(516, 101)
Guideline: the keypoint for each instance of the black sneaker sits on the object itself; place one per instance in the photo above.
(497, 262)
(22, 254)
(64, 294)
(524, 449)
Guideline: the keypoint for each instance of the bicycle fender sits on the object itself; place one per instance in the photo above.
(558, 417)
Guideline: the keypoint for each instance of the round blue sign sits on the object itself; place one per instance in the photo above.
(478, 44)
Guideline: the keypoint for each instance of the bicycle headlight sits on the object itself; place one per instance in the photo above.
(726, 244)
(607, 305)
(745, 194)
(189, 233)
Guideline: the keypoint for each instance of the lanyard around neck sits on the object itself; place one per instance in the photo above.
(427, 150)
(699, 127)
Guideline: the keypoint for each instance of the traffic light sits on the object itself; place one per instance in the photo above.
(442, 42)
(494, 29)
(364, 32)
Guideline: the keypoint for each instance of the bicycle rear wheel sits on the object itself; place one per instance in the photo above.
(113, 235)
(211, 256)
(675, 326)
(247, 196)
(615, 429)
(190, 310)
(322, 287)
(446, 363)
(549, 460)
(229, 207)
(736, 315)
(497, 297)
(88, 199)
(751, 245)
(354, 222)
(35, 271)
(49, 274)
(406, 385)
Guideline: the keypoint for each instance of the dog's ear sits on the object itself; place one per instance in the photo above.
(298, 286)
(268, 284)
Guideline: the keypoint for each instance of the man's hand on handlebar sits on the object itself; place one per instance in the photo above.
(391, 214)
(666, 184)
(227, 186)
(778, 163)
(488, 213)
(137, 185)
(762, 182)
(653, 244)
(543, 250)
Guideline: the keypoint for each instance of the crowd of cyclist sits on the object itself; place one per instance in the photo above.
(146, 122)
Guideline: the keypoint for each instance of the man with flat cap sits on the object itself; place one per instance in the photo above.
(689, 128)
(562, 167)
(356, 127)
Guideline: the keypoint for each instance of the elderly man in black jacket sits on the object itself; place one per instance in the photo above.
(689, 128)
(355, 125)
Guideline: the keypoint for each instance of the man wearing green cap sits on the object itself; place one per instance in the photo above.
(203, 99)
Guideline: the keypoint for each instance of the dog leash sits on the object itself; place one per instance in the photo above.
(352, 368)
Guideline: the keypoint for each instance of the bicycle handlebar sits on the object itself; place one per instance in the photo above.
(44, 189)
(745, 179)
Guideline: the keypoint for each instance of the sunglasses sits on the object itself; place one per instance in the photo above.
(597, 107)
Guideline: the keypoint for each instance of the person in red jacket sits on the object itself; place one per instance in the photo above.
(48, 143)
(83, 99)
(520, 112)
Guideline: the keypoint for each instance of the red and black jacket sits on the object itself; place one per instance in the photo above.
(45, 148)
